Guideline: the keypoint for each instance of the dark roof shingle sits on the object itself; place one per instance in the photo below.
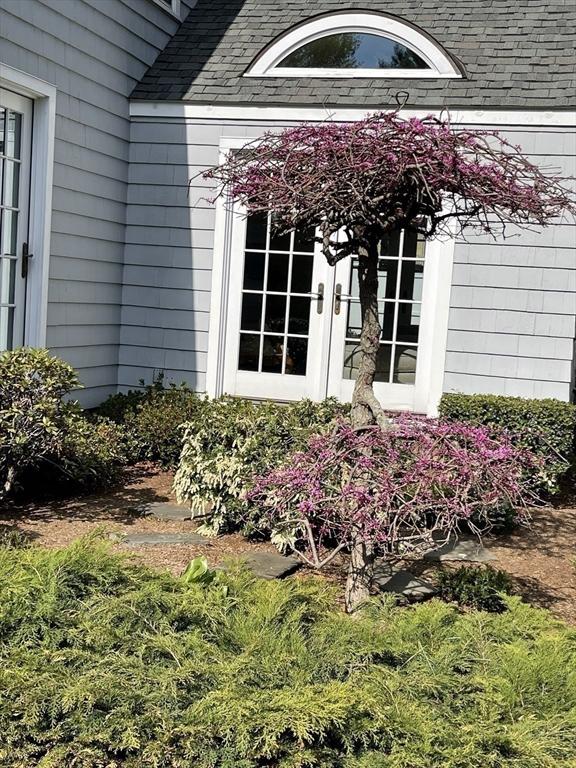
(517, 54)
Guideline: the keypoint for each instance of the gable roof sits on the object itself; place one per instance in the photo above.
(515, 53)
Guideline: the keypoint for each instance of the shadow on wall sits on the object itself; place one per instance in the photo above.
(179, 64)
(168, 255)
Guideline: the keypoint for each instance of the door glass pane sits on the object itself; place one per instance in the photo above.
(399, 304)
(405, 365)
(9, 232)
(272, 354)
(7, 281)
(304, 240)
(6, 327)
(278, 318)
(251, 312)
(408, 324)
(249, 352)
(302, 266)
(256, 228)
(299, 316)
(411, 281)
(279, 241)
(13, 129)
(352, 361)
(278, 271)
(275, 314)
(254, 264)
(11, 183)
(296, 356)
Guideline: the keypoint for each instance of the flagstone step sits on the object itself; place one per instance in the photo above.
(161, 539)
(462, 549)
(268, 565)
(162, 510)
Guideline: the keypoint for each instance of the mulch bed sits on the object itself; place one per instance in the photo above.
(541, 559)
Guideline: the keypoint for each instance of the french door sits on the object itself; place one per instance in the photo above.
(15, 148)
(293, 322)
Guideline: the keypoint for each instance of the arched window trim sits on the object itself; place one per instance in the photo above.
(441, 66)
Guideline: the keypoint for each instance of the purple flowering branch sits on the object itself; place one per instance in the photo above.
(385, 173)
(398, 489)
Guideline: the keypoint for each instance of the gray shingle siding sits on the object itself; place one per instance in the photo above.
(94, 52)
(513, 302)
(516, 55)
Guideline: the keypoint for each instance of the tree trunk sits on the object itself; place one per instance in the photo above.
(366, 410)
(365, 407)
(360, 574)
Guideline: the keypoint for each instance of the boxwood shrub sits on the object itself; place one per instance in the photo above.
(105, 664)
(547, 427)
(231, 443)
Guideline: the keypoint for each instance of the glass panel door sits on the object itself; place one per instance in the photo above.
(277, 314)
(292, 322)
(15, 128)
(401, 272)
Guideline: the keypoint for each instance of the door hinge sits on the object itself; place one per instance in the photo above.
(26, 256)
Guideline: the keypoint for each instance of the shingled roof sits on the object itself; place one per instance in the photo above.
(516, 54)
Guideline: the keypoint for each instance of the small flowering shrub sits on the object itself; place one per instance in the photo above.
(395, 488)
(233, 441)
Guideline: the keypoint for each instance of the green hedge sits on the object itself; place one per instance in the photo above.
(153, 416)
(105, 664)
(547, 427)
(234, 440)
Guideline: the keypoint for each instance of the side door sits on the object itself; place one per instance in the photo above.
(15, 154)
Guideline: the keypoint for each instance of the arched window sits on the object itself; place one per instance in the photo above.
(354, 45)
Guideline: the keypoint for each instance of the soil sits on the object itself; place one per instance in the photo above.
(541, 559)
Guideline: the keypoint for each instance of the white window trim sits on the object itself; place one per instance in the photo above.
(441, 66)
(43, 95)
(171, 6)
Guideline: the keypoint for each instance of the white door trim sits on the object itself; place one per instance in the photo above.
(43, 95)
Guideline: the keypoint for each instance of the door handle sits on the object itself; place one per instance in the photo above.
(320, 297)
(26, 256)
(339, 297)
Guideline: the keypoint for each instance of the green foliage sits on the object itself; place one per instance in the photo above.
(33, 416)
(93, 451)
(476, 587)
(547, 427)
(156, 424)
(10, 536)
(153, 416)
(103, 663)
(231, 443)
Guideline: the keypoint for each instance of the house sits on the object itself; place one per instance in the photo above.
(115, 257)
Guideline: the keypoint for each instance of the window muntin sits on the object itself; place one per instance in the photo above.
(353, 50)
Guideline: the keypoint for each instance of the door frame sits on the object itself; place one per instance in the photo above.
(43, 97)
(435, 309)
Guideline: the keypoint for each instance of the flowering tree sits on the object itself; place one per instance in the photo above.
(371, 177)
(356, 182)
(394, 490)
